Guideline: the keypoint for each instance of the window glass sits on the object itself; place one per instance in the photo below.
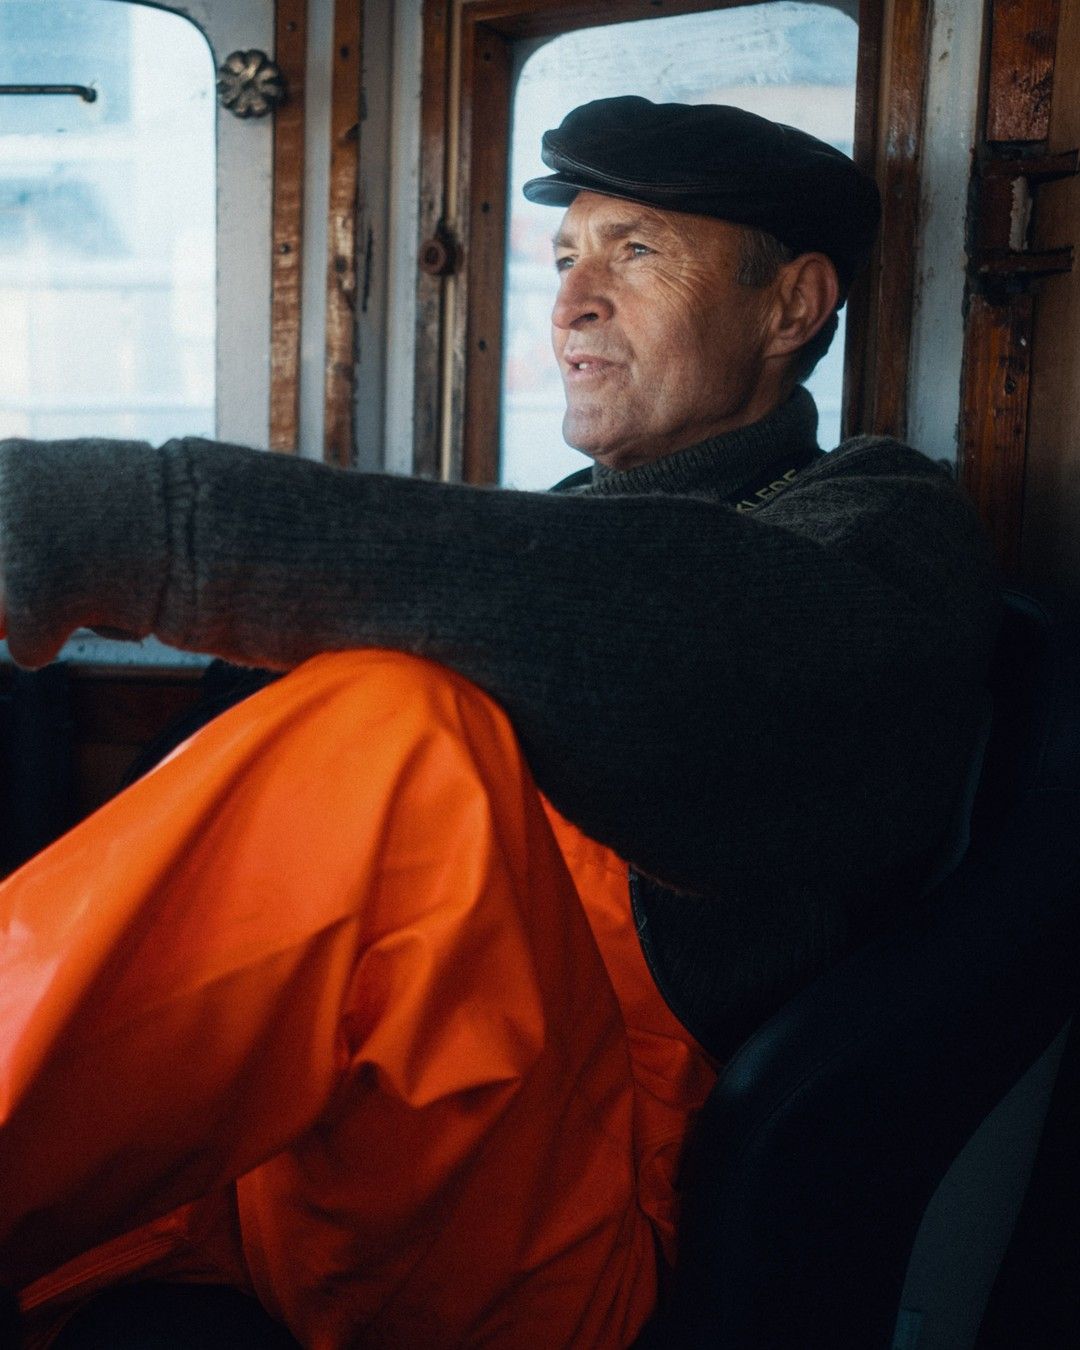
(794, 63)
(107, 222)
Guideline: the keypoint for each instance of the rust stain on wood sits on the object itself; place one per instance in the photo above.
(1023, 43)
(290, 45)
(345, 113)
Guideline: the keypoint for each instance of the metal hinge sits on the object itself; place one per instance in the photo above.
(1005, 186)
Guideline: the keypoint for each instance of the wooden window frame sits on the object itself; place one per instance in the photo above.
(464, 136)
(339, 372)
(290, 52)
(1021, 54)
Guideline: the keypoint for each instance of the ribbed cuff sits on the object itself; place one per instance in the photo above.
(82, 540)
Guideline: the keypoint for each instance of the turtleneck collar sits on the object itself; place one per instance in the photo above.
(720, 465)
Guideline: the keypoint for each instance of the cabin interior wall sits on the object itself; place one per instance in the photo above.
(372, 228)
(317, 85)
(1050, 541)
(957, 38)
(387, 225)
(387, 245)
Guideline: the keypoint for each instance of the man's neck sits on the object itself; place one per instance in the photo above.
(721, 465)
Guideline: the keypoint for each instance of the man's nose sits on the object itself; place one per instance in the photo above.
(584, 297)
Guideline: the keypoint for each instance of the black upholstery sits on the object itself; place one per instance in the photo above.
(830, 1130)
(37, 789)
(157, 1316)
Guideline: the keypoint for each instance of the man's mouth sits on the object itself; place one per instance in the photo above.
(584, 367)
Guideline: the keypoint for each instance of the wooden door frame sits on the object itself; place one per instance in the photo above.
(1012, 149)
(464, 134)
(345, 115)
(290, 54)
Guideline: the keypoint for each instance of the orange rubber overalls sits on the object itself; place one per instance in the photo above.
(331, 1006)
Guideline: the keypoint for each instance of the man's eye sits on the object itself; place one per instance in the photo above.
(564, 263)
(639, 250)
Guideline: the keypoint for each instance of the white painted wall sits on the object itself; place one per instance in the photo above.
(245, 214)
(245, 184)
(317, 88)
(938, 321)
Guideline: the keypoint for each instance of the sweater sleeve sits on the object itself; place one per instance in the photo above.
(714, 695)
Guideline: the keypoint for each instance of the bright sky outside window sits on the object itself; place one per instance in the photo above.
(791, 62)
(107, 223)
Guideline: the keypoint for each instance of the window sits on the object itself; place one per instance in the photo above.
(473, 52)
(107, 222)
(791, 62)
(135, 233)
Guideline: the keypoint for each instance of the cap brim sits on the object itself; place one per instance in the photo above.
(556, 189)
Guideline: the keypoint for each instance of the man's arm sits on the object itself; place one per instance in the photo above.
(720, 697)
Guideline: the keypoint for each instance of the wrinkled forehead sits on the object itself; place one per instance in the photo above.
(594, 218)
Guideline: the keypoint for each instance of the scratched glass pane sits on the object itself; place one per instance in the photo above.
(791, 62)
(107, 222)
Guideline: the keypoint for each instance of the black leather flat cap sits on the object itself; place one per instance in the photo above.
(714, 160)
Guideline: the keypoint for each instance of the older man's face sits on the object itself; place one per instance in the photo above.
(658, 345)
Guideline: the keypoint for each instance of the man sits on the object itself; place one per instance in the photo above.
(334, 1006)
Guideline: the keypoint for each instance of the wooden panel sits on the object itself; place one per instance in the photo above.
(1050, 549)
(429, 293)
(341, 234)
(527, 18)
(290, 54)
(1000, 322)
(486, 92)
(996, 379)
(1022, 71)
(868, 83)
(898, 178)
(861, 316)
(114, 717)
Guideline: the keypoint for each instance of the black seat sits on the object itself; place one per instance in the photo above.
(157, 1316)
(830, 1130)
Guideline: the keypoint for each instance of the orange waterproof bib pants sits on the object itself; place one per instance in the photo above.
(332, 1007)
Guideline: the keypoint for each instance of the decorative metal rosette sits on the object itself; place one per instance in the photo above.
(250, 84)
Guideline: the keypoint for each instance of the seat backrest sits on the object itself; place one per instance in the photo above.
(831, 1128)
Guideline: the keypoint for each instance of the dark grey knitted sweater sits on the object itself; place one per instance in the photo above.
(770, 710)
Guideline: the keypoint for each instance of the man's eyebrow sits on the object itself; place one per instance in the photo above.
(609, 232)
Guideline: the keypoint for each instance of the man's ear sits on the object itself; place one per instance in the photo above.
(805, 293)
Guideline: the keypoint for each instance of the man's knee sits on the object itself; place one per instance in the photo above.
(394, 694)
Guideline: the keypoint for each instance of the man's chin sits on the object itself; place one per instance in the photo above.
(582, 434)
(608, 457)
